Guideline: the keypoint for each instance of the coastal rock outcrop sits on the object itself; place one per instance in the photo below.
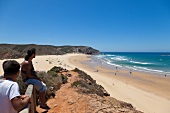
(81, 94)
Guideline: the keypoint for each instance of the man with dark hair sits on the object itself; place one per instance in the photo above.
(10, 99)
(29, 76)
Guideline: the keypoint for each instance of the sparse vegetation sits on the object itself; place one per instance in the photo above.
(64, 79)
(19, 51)
(55, 70)
(51, 79)
(90, 95)
(87, 85)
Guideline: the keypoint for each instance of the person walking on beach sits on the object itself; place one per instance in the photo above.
(29, 76)
(130, 71)
(10, 99)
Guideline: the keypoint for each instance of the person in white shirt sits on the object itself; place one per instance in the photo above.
(10, 99)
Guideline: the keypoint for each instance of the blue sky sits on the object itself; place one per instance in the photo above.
(107, 25)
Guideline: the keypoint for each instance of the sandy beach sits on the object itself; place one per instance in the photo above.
(46, 62)
(148, 93)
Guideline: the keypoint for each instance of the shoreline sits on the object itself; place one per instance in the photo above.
(147, 93)
(149, 62)
(137, 88)
(136, 78)
(112, 66)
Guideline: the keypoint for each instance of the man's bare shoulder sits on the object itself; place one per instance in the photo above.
(25, 63)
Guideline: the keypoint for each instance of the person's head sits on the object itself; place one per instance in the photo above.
(30, 53)
(11, 68)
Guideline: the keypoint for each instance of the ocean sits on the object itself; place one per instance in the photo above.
(152, 62)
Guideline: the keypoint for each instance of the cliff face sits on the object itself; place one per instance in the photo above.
(73, 91)
(81, 94)
(18, 51)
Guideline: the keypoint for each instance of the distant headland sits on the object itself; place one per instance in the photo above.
(19, 50)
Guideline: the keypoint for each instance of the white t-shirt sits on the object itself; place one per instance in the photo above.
(8, 90)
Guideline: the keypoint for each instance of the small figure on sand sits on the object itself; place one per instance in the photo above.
(115, 73)
(165, 75)
(130, 71)
(97, 70)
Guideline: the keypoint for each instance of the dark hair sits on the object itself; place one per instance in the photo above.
(10, 67)
(30, 53)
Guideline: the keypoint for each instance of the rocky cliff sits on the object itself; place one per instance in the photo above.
(73, 91)
(18, 51)
(79, 94)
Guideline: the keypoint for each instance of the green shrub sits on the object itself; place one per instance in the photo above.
(21, 84)
(52, 73)
(64, 79)
(55, 69)
(51, 79)
(88, 85)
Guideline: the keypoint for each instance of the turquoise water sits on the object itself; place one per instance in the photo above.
(139, 61)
